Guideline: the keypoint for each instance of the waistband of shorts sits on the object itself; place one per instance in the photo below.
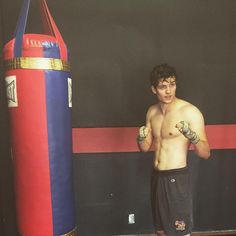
(182, 170)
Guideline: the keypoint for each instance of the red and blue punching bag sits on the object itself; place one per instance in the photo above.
(39, 91)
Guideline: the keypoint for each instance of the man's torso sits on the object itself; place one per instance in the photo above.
(170, 145)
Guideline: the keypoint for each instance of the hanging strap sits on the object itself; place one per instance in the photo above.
(20, 28)
(49, 28)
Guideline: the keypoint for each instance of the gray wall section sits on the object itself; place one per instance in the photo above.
(113, 46)
(109, 187)
(117, 43)
(215, 192)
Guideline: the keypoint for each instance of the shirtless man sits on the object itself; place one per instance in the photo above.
(171, 126)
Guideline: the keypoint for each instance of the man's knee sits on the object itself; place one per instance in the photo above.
(160, 233)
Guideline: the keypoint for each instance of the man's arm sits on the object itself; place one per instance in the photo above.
(194, 130)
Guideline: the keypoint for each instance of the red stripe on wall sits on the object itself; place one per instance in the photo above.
(123, 139)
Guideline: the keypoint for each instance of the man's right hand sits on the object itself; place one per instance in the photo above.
(143, 133)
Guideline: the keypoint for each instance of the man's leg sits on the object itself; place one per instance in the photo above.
(155, 205)
(160, 233)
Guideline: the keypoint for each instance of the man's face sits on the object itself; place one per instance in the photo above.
(165, 90)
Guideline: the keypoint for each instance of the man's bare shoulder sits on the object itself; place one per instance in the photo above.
(153, 107)
(153, 110)
(189, 109)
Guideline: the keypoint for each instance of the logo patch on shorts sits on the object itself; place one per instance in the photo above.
(180, 225)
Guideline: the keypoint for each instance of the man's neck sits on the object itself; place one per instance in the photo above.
(167, 107)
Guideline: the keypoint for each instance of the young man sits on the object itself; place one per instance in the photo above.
(171, 126)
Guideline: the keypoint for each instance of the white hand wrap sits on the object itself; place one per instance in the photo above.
(188, 133)
(143, 132)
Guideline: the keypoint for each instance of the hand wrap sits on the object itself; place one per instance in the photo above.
(188, 133)
(143, 132)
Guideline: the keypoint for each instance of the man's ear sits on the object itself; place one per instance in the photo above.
(153, 89)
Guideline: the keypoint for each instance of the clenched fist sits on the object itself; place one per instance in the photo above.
(184, 128)
(143, 133)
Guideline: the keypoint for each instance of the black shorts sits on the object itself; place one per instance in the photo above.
(171, 201)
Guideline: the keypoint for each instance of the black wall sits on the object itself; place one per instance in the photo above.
(114, 46)
(7, 199)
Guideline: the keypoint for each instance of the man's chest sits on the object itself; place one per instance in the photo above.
(165, 126)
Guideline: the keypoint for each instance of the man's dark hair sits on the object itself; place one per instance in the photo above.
(160, 73)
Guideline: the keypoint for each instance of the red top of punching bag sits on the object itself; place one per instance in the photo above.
(33, 45)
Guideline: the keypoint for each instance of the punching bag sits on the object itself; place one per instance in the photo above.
(39, 91)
